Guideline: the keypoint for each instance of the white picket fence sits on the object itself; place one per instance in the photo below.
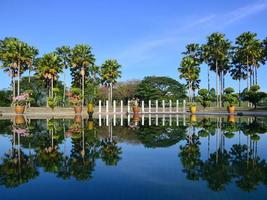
(118, 107)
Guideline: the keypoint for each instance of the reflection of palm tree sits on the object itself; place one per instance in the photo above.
(217, 171)
(190, 157)
(17, 168)
(110, 152)
(249, 173)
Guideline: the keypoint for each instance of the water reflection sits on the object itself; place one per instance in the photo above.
(216, 150)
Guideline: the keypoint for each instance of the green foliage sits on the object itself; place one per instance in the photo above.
(204, 97)
(52, 102)
(5, 96)
(229, 97)
(81, 59)
(254, 95)
(110, 72)
(161, 88)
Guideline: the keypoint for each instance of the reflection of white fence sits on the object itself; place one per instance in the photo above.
(153, 107)
(153, 120)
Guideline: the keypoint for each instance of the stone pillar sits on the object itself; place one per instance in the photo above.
(170, 105)
(177, 106)
(184, 106)
(163, 105)
(143, 106)
(99, 106)
(121, 106)
(157, 106)
(114, 106)
(107, 106)
(149, 106)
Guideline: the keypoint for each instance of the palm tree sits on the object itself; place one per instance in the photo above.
(110, 72)
(48, 68)
(217, 52)
(189, 70)
(251, 53)
(14, 55)
(31, 54)
(81, 60)
(237, 70)
(64, 54)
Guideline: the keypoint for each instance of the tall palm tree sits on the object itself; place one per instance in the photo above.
(217, 52)
(237, 71)
(48, 68)
(31, 54)
(64, 54)
(110, 72)
(81, 60)
(14, 55)
(251, 53)
(189, 70)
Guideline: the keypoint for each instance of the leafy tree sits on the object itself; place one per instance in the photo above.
(229, 96)
(204, 97)
(110, 72)
(250, 54)
(189, 70)
(160, 88)
(17, 57)
(217, 51)
(254, 95)
(82, 60)
(5, 96)
(64, 54)
(48, 69)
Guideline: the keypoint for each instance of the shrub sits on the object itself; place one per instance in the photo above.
(254, 95)
(229, 97)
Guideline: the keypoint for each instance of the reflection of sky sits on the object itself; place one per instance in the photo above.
(142, 173)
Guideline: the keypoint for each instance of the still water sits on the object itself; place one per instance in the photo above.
(160, 157)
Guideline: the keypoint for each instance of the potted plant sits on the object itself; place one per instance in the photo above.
(75, 99)
(231, 99)
(90, 106)
(135, 106)
(20, 102)
(192, 107)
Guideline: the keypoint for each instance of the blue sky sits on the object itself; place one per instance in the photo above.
(145, 36)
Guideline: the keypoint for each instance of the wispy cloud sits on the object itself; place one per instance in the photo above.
(145, 49)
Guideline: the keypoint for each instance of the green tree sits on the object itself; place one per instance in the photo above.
(64, 54)
(254, 95)
(217, 52)
(48, 69)
(160, 88)
(82, 60)
(250, 53)
(110, 72)
(204, 97)
(16, 57)
(189, 70)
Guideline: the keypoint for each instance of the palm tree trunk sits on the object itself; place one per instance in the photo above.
(239, 100)
(256, 76)
(18, 78)
(208, 78)
(111, 93)
(217, 96)
(29, 78)
(248, 72)
(52, 87)
(83, 87)
(64, 92)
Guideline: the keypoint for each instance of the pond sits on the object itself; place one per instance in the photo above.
(155, 157)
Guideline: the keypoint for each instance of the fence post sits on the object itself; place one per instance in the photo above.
(163, 105)
(114, 106)
(157, 106)
(128, 106)
(149, 106)
(143, 106)
(99, 106)
(170, 105)
(121, 106)
(107, 106)
(177, 106)
(184, 106)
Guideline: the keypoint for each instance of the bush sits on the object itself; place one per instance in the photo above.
(229, 97)
(204, 98)
(254, 95)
